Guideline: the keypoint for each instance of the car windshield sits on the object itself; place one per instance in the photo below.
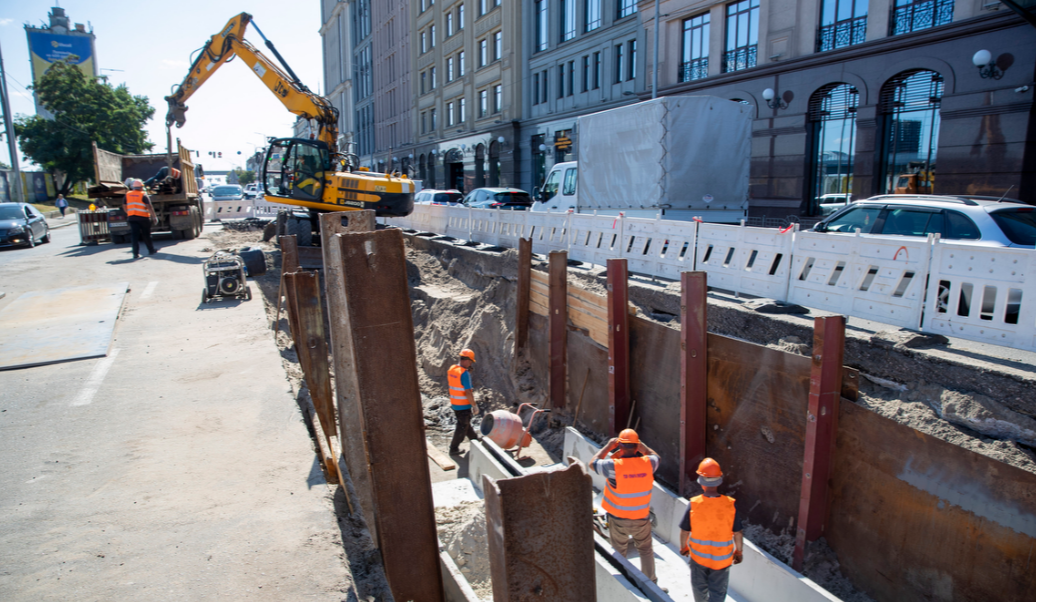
(511, 197)
(226, 190)
(8, 211)
(447, 197)
(1017, 224)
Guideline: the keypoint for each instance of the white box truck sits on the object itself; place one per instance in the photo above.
(685, 157)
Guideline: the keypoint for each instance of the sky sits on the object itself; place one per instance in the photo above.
(148, 46)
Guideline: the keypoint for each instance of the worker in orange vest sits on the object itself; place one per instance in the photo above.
(140, 215)
(462, 400)
(628, 494)
(711, 536)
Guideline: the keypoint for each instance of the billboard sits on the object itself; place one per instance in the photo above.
(47, 48)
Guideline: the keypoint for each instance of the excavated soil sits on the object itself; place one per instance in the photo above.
(462, 531)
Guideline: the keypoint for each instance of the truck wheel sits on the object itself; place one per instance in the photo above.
(255, 261)
(301, 229)
(199, 221)
(188, 234)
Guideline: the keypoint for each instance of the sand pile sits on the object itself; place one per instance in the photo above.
(462, 531)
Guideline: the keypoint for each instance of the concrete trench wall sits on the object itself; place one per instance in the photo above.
(894, 492)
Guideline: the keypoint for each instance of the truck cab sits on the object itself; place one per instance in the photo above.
(559, 192)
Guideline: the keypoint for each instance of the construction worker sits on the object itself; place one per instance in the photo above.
(462, 400)
(711, 536)
(140, 215)
(631, 474)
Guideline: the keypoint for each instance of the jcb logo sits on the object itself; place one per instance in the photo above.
(281, 90)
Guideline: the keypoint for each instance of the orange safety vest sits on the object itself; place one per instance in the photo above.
(135, 204)
(632, 496)
(458, 399)
(712, 541)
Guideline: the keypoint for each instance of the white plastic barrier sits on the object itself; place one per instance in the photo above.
(982, 294)
(875, 278)
(754, 261)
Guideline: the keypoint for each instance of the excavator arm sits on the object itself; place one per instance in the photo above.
(229, 43)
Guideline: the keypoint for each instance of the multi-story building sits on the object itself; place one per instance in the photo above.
(862, 96)
(579, 57)
(338, 66)
(363, 81)
(467, 92)
(392, 77)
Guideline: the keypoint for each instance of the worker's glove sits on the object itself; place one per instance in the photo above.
(738, 557)
(685, 552)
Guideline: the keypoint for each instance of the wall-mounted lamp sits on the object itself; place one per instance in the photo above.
(434, 152)
(773, 103)
(986, 64)
(411, 156)
(500, 140)
(543, 147)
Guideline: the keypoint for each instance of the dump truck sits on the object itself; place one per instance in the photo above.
(175, 196)
(685, 157)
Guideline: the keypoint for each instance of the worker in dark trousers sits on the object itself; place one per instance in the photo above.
(631, 474)
(462, 400)
(711, 536)
(140, 215)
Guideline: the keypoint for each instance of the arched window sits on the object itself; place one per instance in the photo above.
(480, 166)
(740, 101)
(494, 164)
(832, 113)
(431, 171)
(909, 106)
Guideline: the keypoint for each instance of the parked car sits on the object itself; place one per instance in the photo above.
(21, 224)
(499, 198)
(438, 197)
(832, 202)
(983, 220)
(228, 192)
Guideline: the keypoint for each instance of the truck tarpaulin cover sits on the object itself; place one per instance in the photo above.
(677, 150)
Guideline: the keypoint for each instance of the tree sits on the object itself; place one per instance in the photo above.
(245, 177)
(86, 109)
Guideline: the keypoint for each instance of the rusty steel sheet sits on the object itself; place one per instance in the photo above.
(914, 518)
(311, 345)
(525, 258)
(289, 254)
(310, 258)
(540, 536)
(655, 354)
(826, 363)
(376, 328)
(617, 298)
(694, 348)
(59, 325)
(558, 318)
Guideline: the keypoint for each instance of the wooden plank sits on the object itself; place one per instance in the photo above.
(599, 311)
(525, 257)
(439, 457)
(589, 297)
(538, 276)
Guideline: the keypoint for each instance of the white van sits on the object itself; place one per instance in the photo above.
(559, 193)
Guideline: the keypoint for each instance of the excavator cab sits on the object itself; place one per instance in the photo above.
(296, 168)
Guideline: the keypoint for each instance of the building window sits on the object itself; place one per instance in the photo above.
(498, 46)
(909, 106)
(572, 76)
(916, 15)
(543, 90)
(449, 114)
(424, 122)
(833, 115)
(568, 16)
(432, 36)
(742, 34)
(625, 8)
(597, 70)
(632, 63)
(619, 64)
(541, 25)
(484, 101)
(461, 114)
(432, 119)
(483, 60)
(424, 42)
(498, 98)
(592, 14)
(561, 81)
(586, 65)
(694, 49)
(460, 17)
(450, 69)
(460, 64)
(432, 77)
(482, 7)
(843, 23)
(424, 81)
(536, 88)
(449, 24)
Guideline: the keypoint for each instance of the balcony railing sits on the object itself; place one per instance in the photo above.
(841, 34)
(692, 70)
(740, 58)
(920, 15)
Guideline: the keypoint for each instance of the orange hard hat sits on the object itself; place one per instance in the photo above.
(468, 353)
(709, 473)
(628, 436)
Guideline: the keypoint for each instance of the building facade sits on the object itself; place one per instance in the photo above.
(467, 92)
(338, 66)
(862, 97)
(61, 40)
(392, 77)
(579, 57)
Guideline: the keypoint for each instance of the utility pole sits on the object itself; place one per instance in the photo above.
(12, 144)
(655, 54)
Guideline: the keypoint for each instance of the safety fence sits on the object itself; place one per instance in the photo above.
(979, 293)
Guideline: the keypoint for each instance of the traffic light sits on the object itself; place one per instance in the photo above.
(219, 155)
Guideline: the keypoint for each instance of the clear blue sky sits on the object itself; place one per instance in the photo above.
(151, 45)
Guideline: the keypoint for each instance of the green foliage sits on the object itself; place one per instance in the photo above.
(85, 109)
(245, 177)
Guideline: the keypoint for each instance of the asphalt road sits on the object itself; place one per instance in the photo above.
(178, 467)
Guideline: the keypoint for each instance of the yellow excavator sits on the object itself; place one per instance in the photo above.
(311, 174)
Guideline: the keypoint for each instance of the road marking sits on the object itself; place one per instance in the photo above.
(149, 289)
(93, 383)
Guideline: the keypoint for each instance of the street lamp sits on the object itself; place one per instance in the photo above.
(768, 95)
(987, 66)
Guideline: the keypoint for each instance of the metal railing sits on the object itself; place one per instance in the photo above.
(740, 58)
(842, 34)
(692, 70)
(920, 15)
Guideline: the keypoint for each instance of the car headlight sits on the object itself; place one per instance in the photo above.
(16, 230)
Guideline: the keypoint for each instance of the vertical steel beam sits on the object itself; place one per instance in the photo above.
(826, 378)
(558, 293)
(525, 259)
(375, 328)
(289, 254)
(619, 346)
(312, 346)
(693, 376)
(540, 536)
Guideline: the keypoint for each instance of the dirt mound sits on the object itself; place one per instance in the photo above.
(462, 531)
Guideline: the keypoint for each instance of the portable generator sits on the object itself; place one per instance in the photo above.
(224, 275)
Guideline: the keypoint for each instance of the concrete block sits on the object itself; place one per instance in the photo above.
(761, 576)
(481, 462)
(455, 586)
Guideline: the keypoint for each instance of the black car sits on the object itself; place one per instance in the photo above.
(511, 199)
(21, 224)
